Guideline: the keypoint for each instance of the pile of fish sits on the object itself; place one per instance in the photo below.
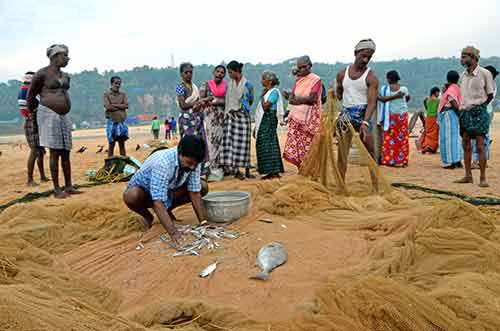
(203, 236)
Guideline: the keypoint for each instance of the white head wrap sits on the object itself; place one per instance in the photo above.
(365, 44)
(27, 78)
(56, 49)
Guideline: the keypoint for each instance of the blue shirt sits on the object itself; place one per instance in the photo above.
(399, 106)
(160, 175)
(273, 99)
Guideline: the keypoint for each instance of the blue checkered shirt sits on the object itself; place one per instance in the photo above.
(159, 176)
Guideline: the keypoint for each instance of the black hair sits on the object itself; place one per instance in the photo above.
(493, 70)
(306, 59)
(220, 66)
(393, 76)
(235, 66)
(272, 77)
(184, 65)
(29, 73)
(452, 77)
(192, 146)
(434, 90)
(114, 78)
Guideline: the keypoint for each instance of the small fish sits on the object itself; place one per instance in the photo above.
(208, 270)
(265, 220)
(270, 257)
(186, 253)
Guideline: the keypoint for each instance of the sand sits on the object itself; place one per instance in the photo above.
(371, 263)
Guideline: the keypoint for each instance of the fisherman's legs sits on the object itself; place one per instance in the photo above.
(138, 200)
(40, 163)
(481, 149)
(55, 155)
(66, 167)
(121, 146)
(111, 149)
(31, 166)
(467, 146)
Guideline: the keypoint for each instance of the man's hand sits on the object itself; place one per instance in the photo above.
(176, 237)
(364, 133)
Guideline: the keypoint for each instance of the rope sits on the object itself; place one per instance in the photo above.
(29, 197)
(476, 201)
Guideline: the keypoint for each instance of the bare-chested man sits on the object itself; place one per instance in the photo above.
(357, 88)
(52, 85)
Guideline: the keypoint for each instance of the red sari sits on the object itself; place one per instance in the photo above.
(303, 121)
(396, 146)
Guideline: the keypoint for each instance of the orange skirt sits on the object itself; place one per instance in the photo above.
(430, 138)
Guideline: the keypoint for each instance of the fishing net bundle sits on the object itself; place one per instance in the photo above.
(116, 169)
(326, 161)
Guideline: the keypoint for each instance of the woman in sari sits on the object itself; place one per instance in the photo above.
(305, 112)
(450, 141)
(189, 102)
(235, 153)
(269, 163)
(429, 141)
(394, 119)
(214, 120)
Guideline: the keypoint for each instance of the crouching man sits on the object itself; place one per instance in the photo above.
(169, 178)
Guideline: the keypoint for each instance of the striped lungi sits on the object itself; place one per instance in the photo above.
(31, 132)
(236, 142)
(450, 141)
(54, 129)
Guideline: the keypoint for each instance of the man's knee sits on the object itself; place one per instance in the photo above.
(131, 196)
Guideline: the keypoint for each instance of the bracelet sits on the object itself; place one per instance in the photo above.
(366, 123)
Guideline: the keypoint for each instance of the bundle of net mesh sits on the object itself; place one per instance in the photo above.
(339, 159)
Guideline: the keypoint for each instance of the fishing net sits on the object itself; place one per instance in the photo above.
(338, 158)
(116, 169)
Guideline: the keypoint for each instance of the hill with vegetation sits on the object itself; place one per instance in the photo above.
(153, 89)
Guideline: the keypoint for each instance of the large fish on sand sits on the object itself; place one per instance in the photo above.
(270, 257)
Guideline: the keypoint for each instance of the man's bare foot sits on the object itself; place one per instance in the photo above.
(72, 190)
(483, 183)
(148, 223)
(61, 194)
(31, 183)
(465, 180)
(44, 179)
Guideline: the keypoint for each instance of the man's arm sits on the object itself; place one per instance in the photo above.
(372, 82)
(123, 105)
(198, 207)
(34, 90)
(340, 86)
(108, 105)
(488, 100)
(166, 221)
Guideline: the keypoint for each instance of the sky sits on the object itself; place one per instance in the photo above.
(125, 34)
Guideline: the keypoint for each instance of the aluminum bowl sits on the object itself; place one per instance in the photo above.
(226, 206)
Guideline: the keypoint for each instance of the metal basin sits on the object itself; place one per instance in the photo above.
(223, 207)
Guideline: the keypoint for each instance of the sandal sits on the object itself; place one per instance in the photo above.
(239, 176)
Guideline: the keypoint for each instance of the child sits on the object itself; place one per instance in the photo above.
(155, 127)
(168, 129)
